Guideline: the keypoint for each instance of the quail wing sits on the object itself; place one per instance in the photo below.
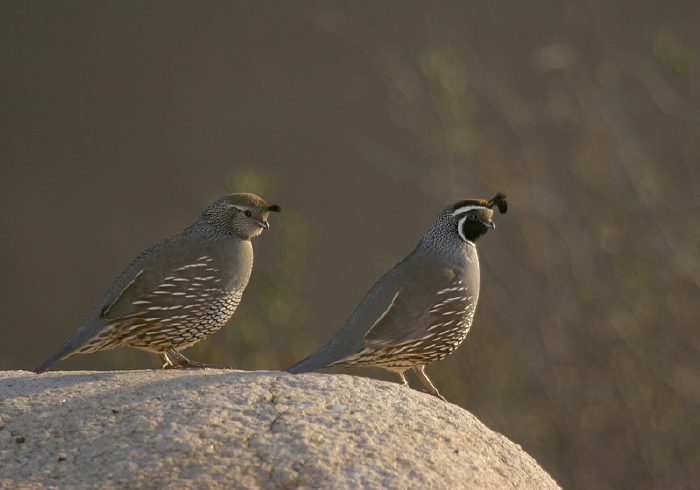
(163, 291)
(427, 302)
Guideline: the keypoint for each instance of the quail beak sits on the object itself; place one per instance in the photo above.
(489, 224)
(264, 224)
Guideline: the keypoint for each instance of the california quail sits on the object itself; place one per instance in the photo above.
(180, 290)
(421, 310)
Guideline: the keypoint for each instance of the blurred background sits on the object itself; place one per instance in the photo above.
(121, 121)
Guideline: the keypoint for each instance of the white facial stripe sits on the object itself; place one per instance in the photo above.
(466, 209)
(460, 223)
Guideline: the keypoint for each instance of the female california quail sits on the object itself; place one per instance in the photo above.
(422, 309)
(180, 290)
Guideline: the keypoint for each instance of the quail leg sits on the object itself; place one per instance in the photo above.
(172, 359)
(403, 378)
(420, 372)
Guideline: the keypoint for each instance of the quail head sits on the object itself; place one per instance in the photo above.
(180, 290)
(421, 310)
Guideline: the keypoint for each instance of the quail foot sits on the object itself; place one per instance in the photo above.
(180, 290)
(421, 310)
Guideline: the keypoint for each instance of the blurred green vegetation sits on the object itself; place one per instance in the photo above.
(364, 119)
(585, 348)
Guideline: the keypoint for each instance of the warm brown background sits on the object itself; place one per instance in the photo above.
(122, 120)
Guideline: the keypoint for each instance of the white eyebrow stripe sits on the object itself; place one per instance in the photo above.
(466, 209)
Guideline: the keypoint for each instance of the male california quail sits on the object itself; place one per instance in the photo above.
(421, 310)
(180, 290)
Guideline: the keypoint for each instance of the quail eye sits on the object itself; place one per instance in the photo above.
(472, 216)
(248, 213)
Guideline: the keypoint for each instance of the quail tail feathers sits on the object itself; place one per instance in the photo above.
(81, 337)
(325, 356)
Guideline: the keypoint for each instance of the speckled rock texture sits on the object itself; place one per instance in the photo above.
(234, 429)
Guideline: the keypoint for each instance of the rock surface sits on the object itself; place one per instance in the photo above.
(234, 429)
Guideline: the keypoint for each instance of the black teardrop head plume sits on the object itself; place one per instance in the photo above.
(275, 208)
(500, 202)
